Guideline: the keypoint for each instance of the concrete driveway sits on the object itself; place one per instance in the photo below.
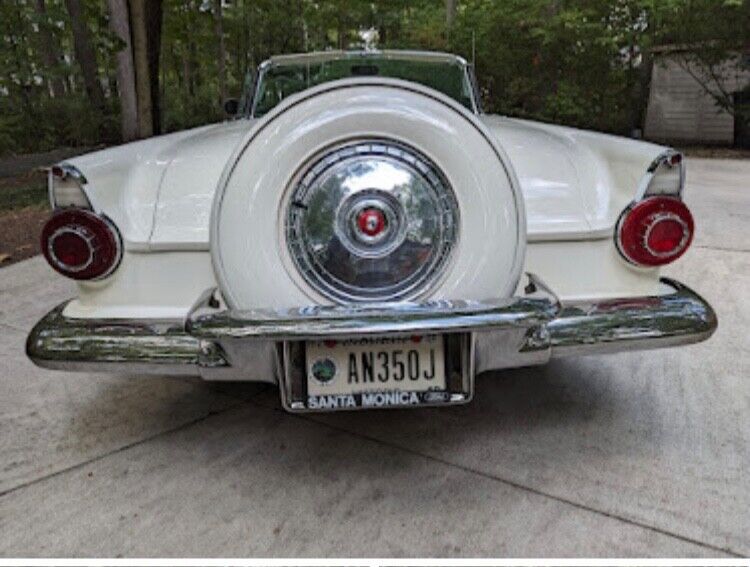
(642, 454)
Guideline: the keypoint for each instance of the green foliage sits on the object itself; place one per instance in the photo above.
(51, 123)
(31, 119)
(569, 62)
(585, 63)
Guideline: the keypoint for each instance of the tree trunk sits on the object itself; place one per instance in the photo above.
(50, 51)
(222, 50)
(187, 70)
(197, 76)
(450, 12)
(153, 42)
(140, 61)
(187, 60)
(249, 49)
(85, 54)
(119, 21)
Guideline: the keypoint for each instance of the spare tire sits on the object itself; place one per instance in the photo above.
(364, 191)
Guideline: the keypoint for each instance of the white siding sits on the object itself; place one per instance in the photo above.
(679, 109)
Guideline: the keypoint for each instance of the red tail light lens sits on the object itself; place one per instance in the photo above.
(81, 245)
(655, 231)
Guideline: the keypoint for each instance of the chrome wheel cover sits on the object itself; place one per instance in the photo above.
(371, 221)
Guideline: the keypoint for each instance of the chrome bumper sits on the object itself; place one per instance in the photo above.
(247, 345)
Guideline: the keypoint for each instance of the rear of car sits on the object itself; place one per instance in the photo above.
(366, 241)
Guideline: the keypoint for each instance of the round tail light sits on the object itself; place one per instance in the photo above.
(81, 245)
(655, 231)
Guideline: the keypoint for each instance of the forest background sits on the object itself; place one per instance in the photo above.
(82, 73)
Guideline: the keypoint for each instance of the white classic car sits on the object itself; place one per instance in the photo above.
(363, 235)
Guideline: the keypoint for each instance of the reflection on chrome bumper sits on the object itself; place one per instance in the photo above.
(246, 345)
(636, 323)
(137, 346)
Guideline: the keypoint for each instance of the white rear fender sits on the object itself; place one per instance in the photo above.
(575, 182)
(159, 191)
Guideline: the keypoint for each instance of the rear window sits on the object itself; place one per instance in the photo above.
(282, 80)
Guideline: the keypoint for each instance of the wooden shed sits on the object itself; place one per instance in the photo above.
(679, 108)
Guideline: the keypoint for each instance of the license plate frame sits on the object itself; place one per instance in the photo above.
(459, 380)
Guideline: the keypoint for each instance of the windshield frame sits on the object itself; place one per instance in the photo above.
(466, 68)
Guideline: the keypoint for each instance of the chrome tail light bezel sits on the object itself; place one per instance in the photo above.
(100, 234)
(634, 247)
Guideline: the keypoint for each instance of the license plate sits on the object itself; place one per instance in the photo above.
(375, 372)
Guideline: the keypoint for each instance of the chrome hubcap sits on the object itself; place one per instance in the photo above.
(371, 221)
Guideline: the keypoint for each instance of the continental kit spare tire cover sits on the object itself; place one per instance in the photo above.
(367, 191)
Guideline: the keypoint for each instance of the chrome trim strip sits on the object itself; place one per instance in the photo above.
(508, 333)
(318, 56)
(65, 170)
